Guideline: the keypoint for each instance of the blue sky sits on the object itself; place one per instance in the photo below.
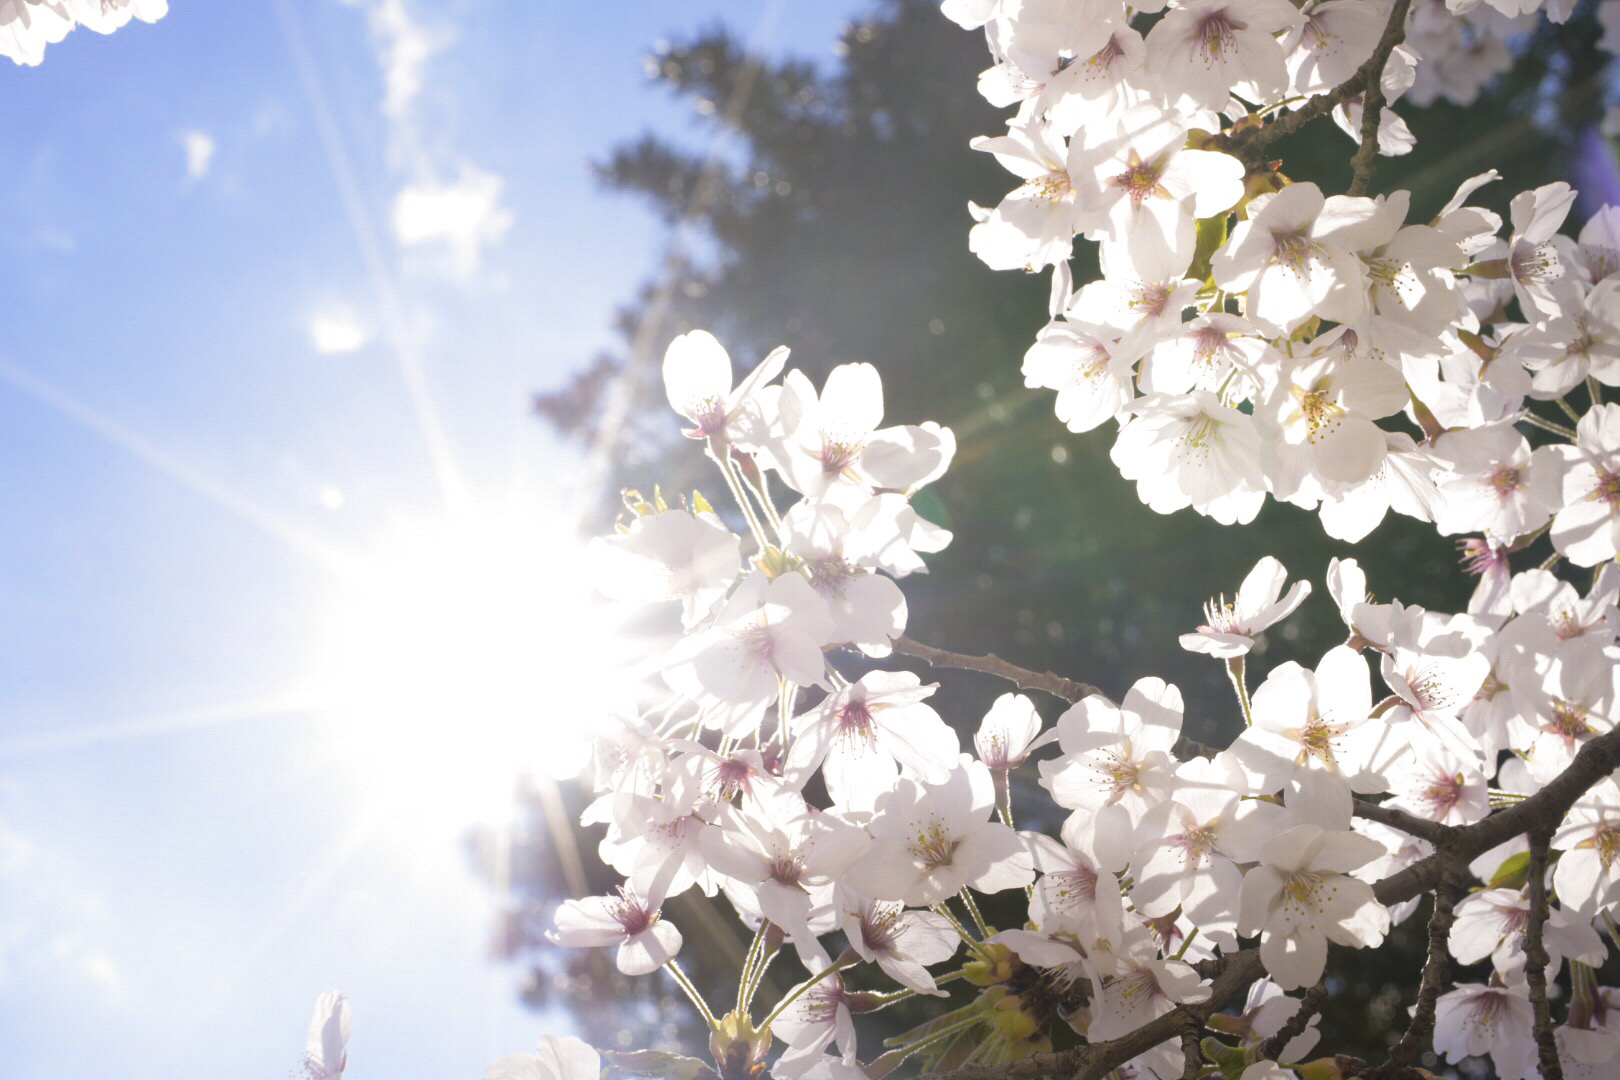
(280, 278)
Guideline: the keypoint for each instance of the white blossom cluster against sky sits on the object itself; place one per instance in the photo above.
(280, 277)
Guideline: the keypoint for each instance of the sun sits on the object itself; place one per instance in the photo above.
(464, 654)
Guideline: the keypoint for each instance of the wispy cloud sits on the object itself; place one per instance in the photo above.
(442, 226)
(199, 149)
(337, 330)
(453, 223)
(404, 47)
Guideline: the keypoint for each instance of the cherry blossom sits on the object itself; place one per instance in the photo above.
(1189, 848)
(863, 734)
(1190, 450)
(1295, 251)
(1314, 737)
(1533, 262)
(673, 555)
(1475, 1020)
(1009, 733)
(1116, 756)
(325, 1056)
(1299, 897)
(1229, 629)
(779, 855)
(1586, 530)
(645, 941)
(903, 943)
(1206, 50)
(697, 381)
(766, 632)
(833, 437)
(930, 840)
(561, 1057)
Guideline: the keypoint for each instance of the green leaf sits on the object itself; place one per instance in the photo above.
(1513, 873)
(1211, 235)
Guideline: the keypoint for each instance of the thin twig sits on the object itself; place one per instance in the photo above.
(1064, 689)
(1422, 828)
(990, 664)
(1436, 968)
(1535, 955)
(1372, 99)
(1192, 1053)
(1250, 142)
(1309, 1005)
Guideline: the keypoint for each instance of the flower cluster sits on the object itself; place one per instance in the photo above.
(1251, 335)
(823, 806)
(27, 26)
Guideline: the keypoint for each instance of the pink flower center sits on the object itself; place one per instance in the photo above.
(1444, 792)
(1607, 488)
(632, 915)
(1568, 720)
(1141, 181)
(855, 723)
(1217, 35)
(837, 455)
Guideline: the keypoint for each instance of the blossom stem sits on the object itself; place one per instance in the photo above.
(1188, 940)
(848, 959)
(767, 954)
(1283, 104)
(1547, 425)
(883, 1001)
(972, 942)
(762, 492)
(740, 498)
(1551, 561)
(884, 1063)
(1568, 410)
(691, 992)
(973, 910)
(1583, 996)
(786, 694)
(1528, 538)
(749, 960)
(1593, 391)
(1004, 802)
(1235, 669)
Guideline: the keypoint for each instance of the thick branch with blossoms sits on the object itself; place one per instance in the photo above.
(1233, 974)
(1253, 338)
